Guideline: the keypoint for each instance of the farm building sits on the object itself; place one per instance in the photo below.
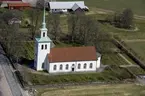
(14, 4)
(18, 5)
(63, 60)
(57, 7)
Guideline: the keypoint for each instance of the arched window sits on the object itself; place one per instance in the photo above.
(66, 67)
(42, 47)
(79, 66)
(85, 66)
(43, 34)
(91, 65)
(73, 65)
(60, 67)
(54, 67)
(46, 46)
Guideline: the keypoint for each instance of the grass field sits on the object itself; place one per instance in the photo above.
(136, 5)
(125, 34)
(100, 90)
(136, 70)
(138, 47)
(113, 59)
(122, 33)
(108, 75)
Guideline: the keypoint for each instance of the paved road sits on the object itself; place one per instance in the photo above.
(4, 87)
(8, 84)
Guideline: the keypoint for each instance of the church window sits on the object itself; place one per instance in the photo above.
(46, 46)
(60, 67)
(43, 34)
(73, 65)
(85, 66)
(54, 68)
(42, 47)
(79, 66)
(66, 67)
(91, 65)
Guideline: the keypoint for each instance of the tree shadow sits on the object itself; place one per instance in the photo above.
(27, 62)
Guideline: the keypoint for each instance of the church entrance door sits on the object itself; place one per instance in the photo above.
(73, 69)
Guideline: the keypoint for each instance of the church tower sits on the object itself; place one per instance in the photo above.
(42, 47)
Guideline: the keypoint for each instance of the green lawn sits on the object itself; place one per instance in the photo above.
(128, 58)
(136, 5)
(125, 34)
(138, 47)
(122, 33)
(111, 74)
(113, 59)
(99, 90)
(136, 70)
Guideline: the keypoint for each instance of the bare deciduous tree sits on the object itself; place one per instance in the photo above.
(54, 26)
(11, 38)
(85, 31)
(35, 18)
(40, 4)
(124, 19)
(73, 22)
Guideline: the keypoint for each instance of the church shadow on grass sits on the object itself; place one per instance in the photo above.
(27, 62)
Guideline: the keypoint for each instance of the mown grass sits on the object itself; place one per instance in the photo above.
(126, 34)
(113, 59)
(138, 47)
(99, 90)
(136, 5)
(108, 75)
(128, 58)
(122, 33)
(136, 70)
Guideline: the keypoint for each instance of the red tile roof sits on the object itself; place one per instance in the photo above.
(18, 4)
(72, 54)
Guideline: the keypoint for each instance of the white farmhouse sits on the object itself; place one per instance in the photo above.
(67, 6)
(63, 60)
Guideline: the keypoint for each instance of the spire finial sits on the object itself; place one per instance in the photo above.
(44, 23)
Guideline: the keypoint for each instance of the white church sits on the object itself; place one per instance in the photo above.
(63, 60)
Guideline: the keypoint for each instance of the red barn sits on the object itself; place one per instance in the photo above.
(18, 5)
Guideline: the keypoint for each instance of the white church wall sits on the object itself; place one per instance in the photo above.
(99, 62)
(35, 54)
(51, 65)
(72, 68)
(82, 63)
(42, 53)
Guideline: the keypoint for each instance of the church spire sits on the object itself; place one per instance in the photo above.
(44, 23)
